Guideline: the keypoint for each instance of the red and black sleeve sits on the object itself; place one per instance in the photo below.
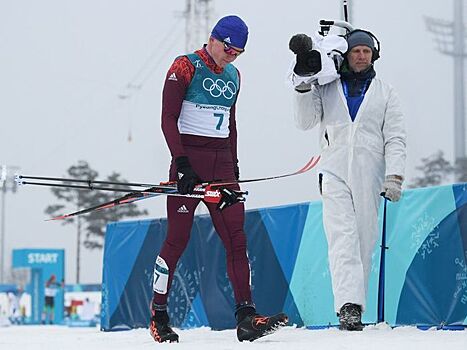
(177, 80)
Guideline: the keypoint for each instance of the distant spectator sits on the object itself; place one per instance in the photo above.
(15, 311)
(87, 310)
(51, 289)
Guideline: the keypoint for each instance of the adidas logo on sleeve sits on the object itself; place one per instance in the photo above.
(173, 77)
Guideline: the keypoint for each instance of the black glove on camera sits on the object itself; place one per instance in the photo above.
(187, 178)
(308, 60)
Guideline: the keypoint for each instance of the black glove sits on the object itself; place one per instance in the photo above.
(308, 60)
(187, 178)
(228, 197)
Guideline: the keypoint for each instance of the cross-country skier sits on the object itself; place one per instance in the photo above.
(199, 124)
(51, 289)
(363, 144)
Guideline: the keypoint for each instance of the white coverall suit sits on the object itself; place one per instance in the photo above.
(355, 158)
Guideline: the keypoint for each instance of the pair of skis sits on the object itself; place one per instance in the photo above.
(211, 191)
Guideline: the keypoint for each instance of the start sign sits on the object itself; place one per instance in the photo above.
(42, 258)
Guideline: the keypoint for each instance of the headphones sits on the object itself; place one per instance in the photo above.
(376, 45)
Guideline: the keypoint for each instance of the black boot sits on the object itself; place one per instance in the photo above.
(159, 326)
(251, 326)
(350, 317)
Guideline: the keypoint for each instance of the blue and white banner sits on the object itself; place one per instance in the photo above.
(425, 267)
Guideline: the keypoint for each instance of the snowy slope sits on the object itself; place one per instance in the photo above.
(290, 338)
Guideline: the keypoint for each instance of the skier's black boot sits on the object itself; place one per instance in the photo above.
(159, 326)
(350, 317)
(251, 326)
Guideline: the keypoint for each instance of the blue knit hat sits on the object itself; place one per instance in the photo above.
(232, 30)
(360, 38)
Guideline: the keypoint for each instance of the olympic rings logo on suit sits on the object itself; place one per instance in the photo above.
(220, 87)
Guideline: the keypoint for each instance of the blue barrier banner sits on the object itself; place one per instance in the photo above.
(425, 270)
(426, 257)
(201, 294)
(8, 288)
(83, 287)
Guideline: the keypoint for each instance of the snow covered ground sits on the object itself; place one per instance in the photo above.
(378, 337)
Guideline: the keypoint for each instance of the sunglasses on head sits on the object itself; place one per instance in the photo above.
(230, 50)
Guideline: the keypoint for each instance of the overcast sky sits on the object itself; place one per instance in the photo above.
(63, 65)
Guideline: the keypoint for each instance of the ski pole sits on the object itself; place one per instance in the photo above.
(80, 187)
(382, 268)
(19, 178)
